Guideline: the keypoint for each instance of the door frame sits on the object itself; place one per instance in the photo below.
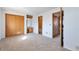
(61, 25)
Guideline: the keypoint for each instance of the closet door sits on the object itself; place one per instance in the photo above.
(14, 25)
(21, 24)
(10, 25)
(17, 27)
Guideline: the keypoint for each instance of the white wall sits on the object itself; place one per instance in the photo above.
(71, 28)
(2, 24)
(2, 21)
(47, 22)
(35, 24)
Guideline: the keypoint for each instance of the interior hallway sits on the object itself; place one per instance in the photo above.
(31, 42)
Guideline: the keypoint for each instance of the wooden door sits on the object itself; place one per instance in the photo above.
(21, 25)
(10, 25)
(56, 24)
(17, 22)
(40, 24)
(14, 25)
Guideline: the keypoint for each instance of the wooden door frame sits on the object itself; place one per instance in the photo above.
(5, 25)
(6, 21)
(42, 24)
(61, 25)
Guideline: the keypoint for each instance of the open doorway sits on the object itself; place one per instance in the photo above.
(40, 21)
(58, 25)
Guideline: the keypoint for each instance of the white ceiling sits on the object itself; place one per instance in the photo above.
(30, 10)
(38, 10)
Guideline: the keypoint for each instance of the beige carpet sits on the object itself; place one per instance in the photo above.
(31, 42)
